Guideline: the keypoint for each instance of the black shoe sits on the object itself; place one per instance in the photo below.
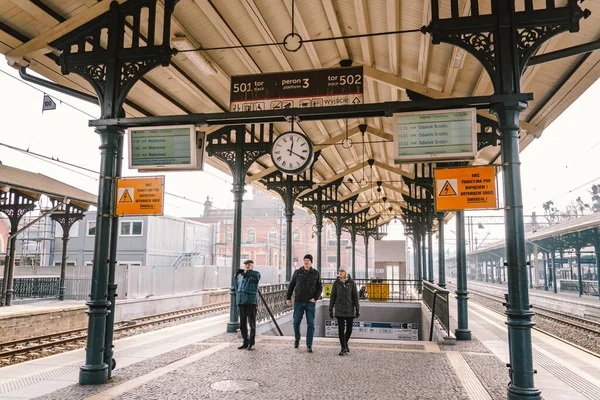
(347, 349)
(296, 344)
(343, 352)
(250, 348)
(309, 350)
(242, 347)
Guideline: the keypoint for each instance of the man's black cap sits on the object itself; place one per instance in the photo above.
(248, 262)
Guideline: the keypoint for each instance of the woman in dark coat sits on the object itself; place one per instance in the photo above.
(344, 306)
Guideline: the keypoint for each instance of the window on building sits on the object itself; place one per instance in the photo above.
(228, 236)
(131, 228)
(272, 236)
(91, 228)
(251, 236)
(69, 263)
(332, 259)
(296, 235)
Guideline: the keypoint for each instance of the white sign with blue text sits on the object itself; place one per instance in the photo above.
(377, 330)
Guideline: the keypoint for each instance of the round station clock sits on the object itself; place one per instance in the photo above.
(292, 153)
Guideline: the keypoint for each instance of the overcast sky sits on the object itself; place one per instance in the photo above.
(559, 166)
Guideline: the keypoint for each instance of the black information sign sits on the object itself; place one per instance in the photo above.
(297, 89)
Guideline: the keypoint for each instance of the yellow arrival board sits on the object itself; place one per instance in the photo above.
(140, 196)
(465, 188)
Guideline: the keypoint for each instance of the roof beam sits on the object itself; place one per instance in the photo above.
(424, 45)
(35, 11)
(225, 31)
(265, 32)
(301, 27)
(393, 24)
(335, 29)
(406, 84)
(22, 54)
(451, 69)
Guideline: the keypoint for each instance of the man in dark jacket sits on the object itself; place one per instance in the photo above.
(306, 286)
(246, 296)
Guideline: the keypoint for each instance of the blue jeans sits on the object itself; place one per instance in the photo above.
(300, 307)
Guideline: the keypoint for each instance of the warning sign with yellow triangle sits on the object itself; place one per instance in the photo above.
(447, 190)
(126, 196)
(140, 195)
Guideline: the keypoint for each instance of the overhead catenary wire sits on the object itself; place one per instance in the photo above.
(302, 41)
(58, 163)
(52, 96)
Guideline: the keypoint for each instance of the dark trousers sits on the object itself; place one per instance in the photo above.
(247, 316)
(344, 330)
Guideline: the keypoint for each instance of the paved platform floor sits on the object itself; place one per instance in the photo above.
(198, 361)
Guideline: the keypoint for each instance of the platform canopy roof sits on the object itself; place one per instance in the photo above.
(34, 185)
(200, 82)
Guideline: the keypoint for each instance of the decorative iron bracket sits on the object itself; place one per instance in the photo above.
(229, 145)
(484, 35)
(133, 46)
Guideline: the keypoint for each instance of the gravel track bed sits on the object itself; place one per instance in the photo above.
(49, 351)
(588, 340)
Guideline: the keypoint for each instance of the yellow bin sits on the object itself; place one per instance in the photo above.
(378, 291)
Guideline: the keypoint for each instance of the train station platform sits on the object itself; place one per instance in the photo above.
(198, 360)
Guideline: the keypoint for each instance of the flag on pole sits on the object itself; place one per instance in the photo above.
(49, 104)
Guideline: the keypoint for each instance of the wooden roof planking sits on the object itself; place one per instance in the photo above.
(393, 63)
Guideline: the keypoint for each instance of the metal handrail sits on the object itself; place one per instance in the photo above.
(270, 313)
(431, 293)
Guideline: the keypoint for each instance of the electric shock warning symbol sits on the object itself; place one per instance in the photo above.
(448, 187)
(126, 197)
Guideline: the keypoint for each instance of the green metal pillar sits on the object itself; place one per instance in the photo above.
(238, 198)
(112, 286)
(485, 266)
(319, 225)
(441, 254)
(529, 267)
(579, 272)
(596, 236)
(430, 253)
(519, 315)
(545, 266)
(63, 265)
(289, 218)
(419, 270)
(338, 235)
(462, 332)
(10, 267)
(553, 261)
(95, 370)
(423, 254)
(366, 237)
(353, 240)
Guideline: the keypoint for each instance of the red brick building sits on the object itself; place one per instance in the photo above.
(264, 235)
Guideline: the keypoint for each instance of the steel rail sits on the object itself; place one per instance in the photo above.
(124, 326)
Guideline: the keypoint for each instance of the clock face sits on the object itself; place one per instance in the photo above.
(292, 153)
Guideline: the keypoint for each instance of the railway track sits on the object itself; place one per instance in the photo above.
(42, 346)
(579, 332)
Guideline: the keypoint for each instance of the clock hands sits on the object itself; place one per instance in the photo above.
(291, 151)
(296, 154)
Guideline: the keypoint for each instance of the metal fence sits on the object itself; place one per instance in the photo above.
(274, 297)
(384, 290)
(589, 287)
(133, 281)
(436, 299)
(34, 288)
